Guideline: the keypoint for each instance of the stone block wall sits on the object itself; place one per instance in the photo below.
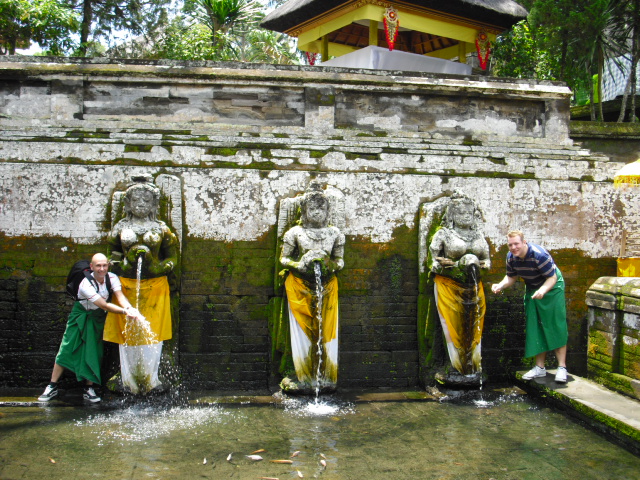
(241, 138)
(614, 333)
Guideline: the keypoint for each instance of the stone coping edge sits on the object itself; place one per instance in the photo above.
(613, 429)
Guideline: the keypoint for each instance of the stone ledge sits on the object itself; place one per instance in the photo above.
(607, 412)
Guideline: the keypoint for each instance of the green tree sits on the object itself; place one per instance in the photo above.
(221, 16)
(606, 40)
(631, 18)
(49, 23)
(566, 40)
(233, 35)
(101, 19)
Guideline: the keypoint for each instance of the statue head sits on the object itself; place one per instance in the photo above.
(315, 207)
(142, 199)
(461, 212)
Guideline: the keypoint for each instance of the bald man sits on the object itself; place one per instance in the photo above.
(81, 348)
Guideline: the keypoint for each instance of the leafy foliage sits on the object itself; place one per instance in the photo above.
(49, 23)
(101, 19)
(567, 40)
(222, 30)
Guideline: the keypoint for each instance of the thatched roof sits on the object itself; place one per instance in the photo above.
(501, 13)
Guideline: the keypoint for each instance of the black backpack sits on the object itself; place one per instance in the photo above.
(81, 270)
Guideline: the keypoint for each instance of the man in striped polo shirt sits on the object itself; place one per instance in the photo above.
(544, 303)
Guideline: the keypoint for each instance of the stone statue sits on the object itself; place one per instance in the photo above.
(312, 252)
(143, 251)
(456, 256)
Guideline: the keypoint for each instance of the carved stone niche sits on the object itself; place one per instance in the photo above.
(283, 361)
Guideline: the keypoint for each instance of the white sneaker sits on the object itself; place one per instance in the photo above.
(90, 395)
(561, 375)
(49, 393)
(535, 372)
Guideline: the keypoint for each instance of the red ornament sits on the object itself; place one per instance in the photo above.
(311, 58)
(391, 26)
(483, 47)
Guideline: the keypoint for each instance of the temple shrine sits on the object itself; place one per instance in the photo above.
(419, 35)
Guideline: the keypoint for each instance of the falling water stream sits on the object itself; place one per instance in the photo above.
(474, 273)
(319, 407)
(318, 272)
(140, 327)
(138, 277)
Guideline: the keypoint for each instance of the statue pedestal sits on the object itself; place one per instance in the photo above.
(457, 380)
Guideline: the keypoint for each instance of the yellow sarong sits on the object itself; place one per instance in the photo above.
(462, 324)
(154, 305)
(302, 301)
(629, 267)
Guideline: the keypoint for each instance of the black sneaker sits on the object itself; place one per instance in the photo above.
(49, 393)
(90, 395)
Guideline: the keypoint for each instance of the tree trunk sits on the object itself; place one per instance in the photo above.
(592, 107)
(85, 27)
(625, 97)
(600, 73)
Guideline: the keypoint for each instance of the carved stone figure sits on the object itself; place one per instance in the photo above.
(456, 256)
(312, 252)
(143, 251)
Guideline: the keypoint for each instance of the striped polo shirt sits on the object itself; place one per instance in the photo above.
(534, 268)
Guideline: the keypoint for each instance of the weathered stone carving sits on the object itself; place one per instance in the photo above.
(144, 251)
(305, 327)
(453, 256)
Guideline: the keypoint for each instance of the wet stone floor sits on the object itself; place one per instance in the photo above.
(490, 435)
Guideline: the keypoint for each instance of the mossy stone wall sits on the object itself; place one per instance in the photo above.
(241, 138)
(613, 354)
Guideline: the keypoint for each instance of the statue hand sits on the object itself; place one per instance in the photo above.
(445, 262)
(306, 262)
(160, 268)
(167, 266)
(136, 252)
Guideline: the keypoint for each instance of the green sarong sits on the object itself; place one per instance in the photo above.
(546, 319)
(81, 348)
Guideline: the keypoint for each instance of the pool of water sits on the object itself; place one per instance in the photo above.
(492, 435)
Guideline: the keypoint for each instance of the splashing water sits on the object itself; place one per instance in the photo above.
(318, 272)
(141, 327)
(304, 407)
(140, 423)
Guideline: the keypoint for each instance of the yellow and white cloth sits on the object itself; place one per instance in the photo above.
(462, 326)
(141, 342)
(304, 329)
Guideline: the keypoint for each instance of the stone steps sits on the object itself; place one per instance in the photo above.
(338, 150)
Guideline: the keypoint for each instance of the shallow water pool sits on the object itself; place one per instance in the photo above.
(489, 436)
